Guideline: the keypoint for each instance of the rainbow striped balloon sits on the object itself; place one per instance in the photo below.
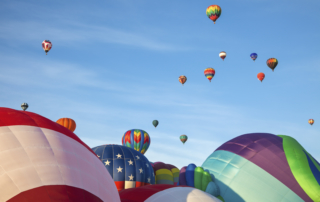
(213, 12)
(209, 73)
(137, 139)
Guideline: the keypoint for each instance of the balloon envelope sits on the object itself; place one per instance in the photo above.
(183, 138)
(155, 123)
(137, 139)
(253, 56)
(68, 123)
(260, 76)
(24, 106)
(209, 73)
(213, 12)
(311, 121)
(272, 63)
(222, 55)
(182, 79)
(127, 167)
(46, 45)
(44, 161)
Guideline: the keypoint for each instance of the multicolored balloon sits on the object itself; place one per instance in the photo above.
(165, 193)
(43, 161)
(272, 63)
(209, 73)
(155, 123)
(137, 139)
(182, 79)
(281, 168)
(213, 12)
(46, 45)
(254, 56)
(183, 138)
(127, 167)
(222, 55)
(260, 76)
(194, 176)
(24, 106)
(68, 123)
(165, 173)
(311, 121)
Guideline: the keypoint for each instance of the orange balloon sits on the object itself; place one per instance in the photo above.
(68, 123)
(261, 76)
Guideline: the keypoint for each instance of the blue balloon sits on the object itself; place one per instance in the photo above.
(254, 56)
(128, 167)
(190, 174)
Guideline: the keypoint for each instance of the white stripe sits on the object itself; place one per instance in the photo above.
(129, 184)
(31, 157)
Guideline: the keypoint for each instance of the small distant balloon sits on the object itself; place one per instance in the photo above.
(24, 106)
(254, 56)
(155, 123)
(213, 12)
(209, 73)
(46, 45)
(182, 79)
(68, 123)
(222, 55)
(183, 138)
(311, 121)
(272, 63)
(261, 76)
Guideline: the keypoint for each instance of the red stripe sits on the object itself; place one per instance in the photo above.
(55, 193)
(11, 117)
(139, 184)
(119, 185)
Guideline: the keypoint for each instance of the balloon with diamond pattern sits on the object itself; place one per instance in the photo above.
(136, 139)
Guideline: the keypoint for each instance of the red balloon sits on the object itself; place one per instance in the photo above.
(261, 76)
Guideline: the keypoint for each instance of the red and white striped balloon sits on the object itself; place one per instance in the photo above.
(41, 160)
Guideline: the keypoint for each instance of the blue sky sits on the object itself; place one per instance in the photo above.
(114, 66)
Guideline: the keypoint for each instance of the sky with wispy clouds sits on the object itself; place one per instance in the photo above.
(114, 66)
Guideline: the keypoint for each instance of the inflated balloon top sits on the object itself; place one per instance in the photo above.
(24, 106)
(137, 139)
(46, 45)
(182, 79)
(260, 76)
(213, 12)
(183, 138)
(127, 167)
(209, 73)
(276, 166)
(165, 173)
(253, 56)
(68, 123)
(272, 63)
(311, 121)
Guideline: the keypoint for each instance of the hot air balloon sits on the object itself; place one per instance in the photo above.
(209, 73)
(254, 56)
(128, 167)
(194, 176)
(276, 167)
(24, 106)
(183, 138)
(272, 63)
(137, 139)
(155, 123)
(182, 79)
(213, 12)
(43, 161)
(165, 193)
(311, 121)
(165, 173)
(260, 76)
(46, 45)
(68, 123)
(222, 55)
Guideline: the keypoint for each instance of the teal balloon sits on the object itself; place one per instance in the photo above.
(155, 123)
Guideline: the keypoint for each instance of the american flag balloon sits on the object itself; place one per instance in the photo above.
(127, 167)
(41, 160)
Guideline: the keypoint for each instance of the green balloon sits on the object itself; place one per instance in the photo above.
(155, 123)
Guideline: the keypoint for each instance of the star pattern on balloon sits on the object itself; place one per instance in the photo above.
(118, 156)
(138, 157)
(107, 163)
(131, 177)
(140, 170)
(119, 169)
(149, 179)
(130, 162)
(147, 165)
